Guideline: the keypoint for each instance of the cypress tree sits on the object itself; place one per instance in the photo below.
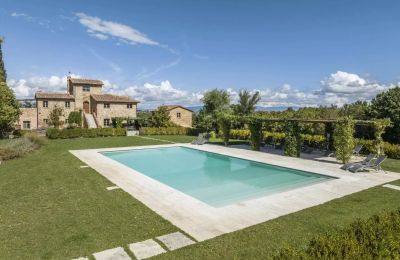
(3, 73)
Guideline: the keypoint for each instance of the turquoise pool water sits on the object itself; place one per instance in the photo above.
(215, 179)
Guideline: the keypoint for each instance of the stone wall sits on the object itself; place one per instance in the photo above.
(186, 117)
(82, 96)
(28, 114)
(115, 110)
(43, 112)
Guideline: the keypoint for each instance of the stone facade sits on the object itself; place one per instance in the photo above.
(180, 115)
(84, 95)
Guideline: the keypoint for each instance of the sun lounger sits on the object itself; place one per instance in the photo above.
(357, 150)
(201, 139)
(363, 162)
(372, 165)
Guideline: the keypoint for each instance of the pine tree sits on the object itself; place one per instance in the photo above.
(3, 73)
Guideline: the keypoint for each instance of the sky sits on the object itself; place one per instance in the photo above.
(295, 53)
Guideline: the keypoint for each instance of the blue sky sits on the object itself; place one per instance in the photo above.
(295, 53)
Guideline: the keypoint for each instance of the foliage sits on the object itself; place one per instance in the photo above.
(247, 102)
(9, 109)
(358, 110)
(343, 139)
(216, 100)
(75, 119)
(380, 126)
(225, 124)
(117, 122)
(204, 121)
(143, 119)
(375, 238)
(54, 117)
(21, 146)
(292, 139)
(390, 150)
(54, 133)
(387, 105)
(173, 130)
(3, 73)
(255, 125)
(160, 117)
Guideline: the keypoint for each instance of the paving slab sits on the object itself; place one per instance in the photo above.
(81, 258)
(117, 253)
(146, 249)
(84, 166)
(391, 186)
(175, 240)
(113, 188)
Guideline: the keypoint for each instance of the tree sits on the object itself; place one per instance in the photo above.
(387, 105)
(343, 139)
(54, 117)
(9, 109)
(3, 74)
(247, 102)
(160, 117)
(75, 119)
(216, 100)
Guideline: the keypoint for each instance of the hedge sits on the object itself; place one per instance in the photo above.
(391, 150)
(67, 133)
(173, 130)
(375, 238)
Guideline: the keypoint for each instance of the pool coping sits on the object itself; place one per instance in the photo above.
(203, 221)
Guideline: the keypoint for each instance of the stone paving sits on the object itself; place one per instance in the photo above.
(391, 186)
(117, 253)
(175, 240)
(146, 249)
(112, 188)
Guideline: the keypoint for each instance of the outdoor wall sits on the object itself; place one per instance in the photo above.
(115, 110)
(186, 117)
(28, 114)
(81, 96)
(43, 112)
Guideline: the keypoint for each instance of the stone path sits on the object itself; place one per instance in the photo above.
(83, 166)
(112, 188)
(144, 249)
(391, 186)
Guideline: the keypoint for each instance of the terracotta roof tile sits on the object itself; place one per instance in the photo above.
(113, 98)
(53, 95)
(86, 81)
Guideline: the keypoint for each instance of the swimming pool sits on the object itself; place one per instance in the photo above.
(214, 179)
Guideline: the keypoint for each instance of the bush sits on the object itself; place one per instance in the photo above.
(174, 130)
(375, 238)
(292, 139)
(343, 139)
(21, 146)
(66, 133)
(391, 150)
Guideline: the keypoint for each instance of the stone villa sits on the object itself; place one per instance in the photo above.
(83, 95)
(180, 115)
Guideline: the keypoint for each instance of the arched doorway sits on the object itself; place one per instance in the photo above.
(86, 107)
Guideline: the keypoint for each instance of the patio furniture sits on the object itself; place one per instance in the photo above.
(201, 139)
(363, 162)
(372, 165)
(357, 149)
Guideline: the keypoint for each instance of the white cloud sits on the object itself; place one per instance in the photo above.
(146, 74)
(101, 29)
(42, 22)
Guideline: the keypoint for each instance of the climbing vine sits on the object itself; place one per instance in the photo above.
(255, 126)
(343, 139)
(380, 126)
(225, 123)
(292, 139)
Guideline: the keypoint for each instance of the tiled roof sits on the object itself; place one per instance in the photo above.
(86, 81)
(53, 95)
(170, 107)
(113, 98)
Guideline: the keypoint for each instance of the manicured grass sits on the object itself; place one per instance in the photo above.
(391, 165)
(52, 209)
(174, 138)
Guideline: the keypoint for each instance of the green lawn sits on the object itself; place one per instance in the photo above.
(52, 209)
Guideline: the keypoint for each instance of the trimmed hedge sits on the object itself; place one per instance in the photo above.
(391, 150)
(375, 238)
(53, 133)
(173, 130)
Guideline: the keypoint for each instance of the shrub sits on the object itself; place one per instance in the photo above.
(225, 124)
(21, 146)
(391, 150)
(292, 139)
(375, 238)
(256, 136)
(66, 133)
(75, 119)
(173, 130)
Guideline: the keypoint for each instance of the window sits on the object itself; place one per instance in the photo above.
(106, 105)
(106, 122)
(26, 125)
(67, 104)
(178, 115)
(45, 103)
(45, 121)
(129, 105)
(86, 88)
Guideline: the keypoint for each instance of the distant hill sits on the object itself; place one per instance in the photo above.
(196, 109)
